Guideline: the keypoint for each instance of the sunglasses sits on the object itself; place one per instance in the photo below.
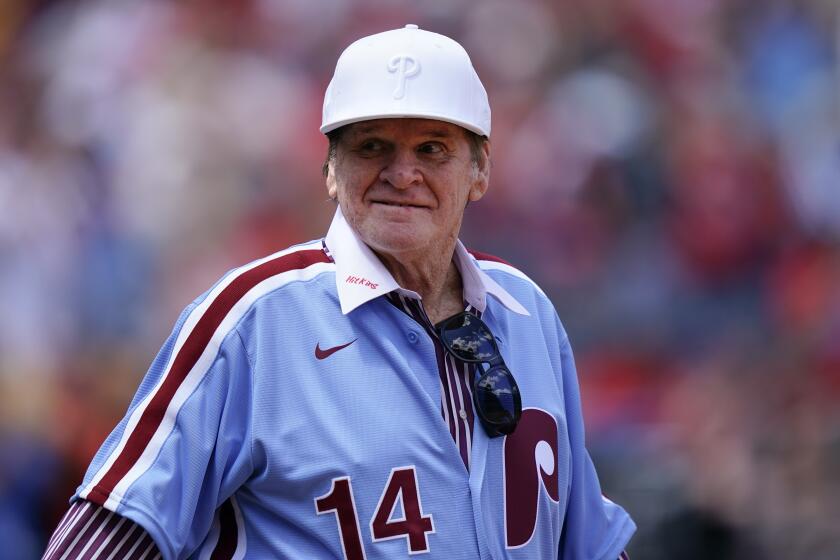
(495, 392)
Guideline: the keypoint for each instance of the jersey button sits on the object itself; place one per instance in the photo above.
(463, 414)
(412, 337)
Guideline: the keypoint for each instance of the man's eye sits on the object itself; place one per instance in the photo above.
(431, 148)
(371, 146)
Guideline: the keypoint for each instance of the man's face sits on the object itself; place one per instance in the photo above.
(403, 184)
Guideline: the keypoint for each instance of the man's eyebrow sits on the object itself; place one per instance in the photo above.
(438, 133)
(366, 129)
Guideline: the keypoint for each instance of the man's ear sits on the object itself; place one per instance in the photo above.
(332, 186)
(481, 173)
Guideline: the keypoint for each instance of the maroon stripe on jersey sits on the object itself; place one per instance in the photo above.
(140, 549)
(105, 528)
(228, 533)
(113, 536)
(187, 357)
(458, 402)
(62, 526)
(68, 539)
(74, 507)
(97, 533)
(126, 537)
(100, 518)
(402, 303)
(446, 397)
(119, 534)
(472, 372)
(417, 312)
(447, 370)
(467, 373)
(419, 315)
(487, 257)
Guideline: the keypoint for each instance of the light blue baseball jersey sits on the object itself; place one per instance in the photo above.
(295, 413)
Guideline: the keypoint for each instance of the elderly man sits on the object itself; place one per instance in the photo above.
(379, 393)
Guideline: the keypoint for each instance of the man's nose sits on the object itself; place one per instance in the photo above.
(402, 170)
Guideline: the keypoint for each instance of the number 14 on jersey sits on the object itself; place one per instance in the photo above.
(401, 488)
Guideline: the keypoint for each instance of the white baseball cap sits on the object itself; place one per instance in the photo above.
(406, 72)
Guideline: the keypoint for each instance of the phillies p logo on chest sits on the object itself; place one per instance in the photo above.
(530, 462)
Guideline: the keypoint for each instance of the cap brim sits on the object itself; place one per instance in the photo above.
(338, 124)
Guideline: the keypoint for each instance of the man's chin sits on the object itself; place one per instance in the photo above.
(398, 242)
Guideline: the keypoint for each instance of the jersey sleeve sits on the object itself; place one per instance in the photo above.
(595, 528)
(90, 531)
(183, 446)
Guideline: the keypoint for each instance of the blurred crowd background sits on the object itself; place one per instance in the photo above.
(668, 170)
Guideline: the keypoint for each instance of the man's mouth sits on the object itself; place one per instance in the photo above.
(398, 204)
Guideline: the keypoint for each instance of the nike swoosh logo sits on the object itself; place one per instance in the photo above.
(327, 352)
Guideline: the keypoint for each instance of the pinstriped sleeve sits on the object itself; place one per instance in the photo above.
(183, 447)
(90, 531)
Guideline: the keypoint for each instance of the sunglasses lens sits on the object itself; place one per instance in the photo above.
(497, 398)
(468, 338)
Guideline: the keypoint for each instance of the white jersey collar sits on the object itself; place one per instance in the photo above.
(360, 276)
